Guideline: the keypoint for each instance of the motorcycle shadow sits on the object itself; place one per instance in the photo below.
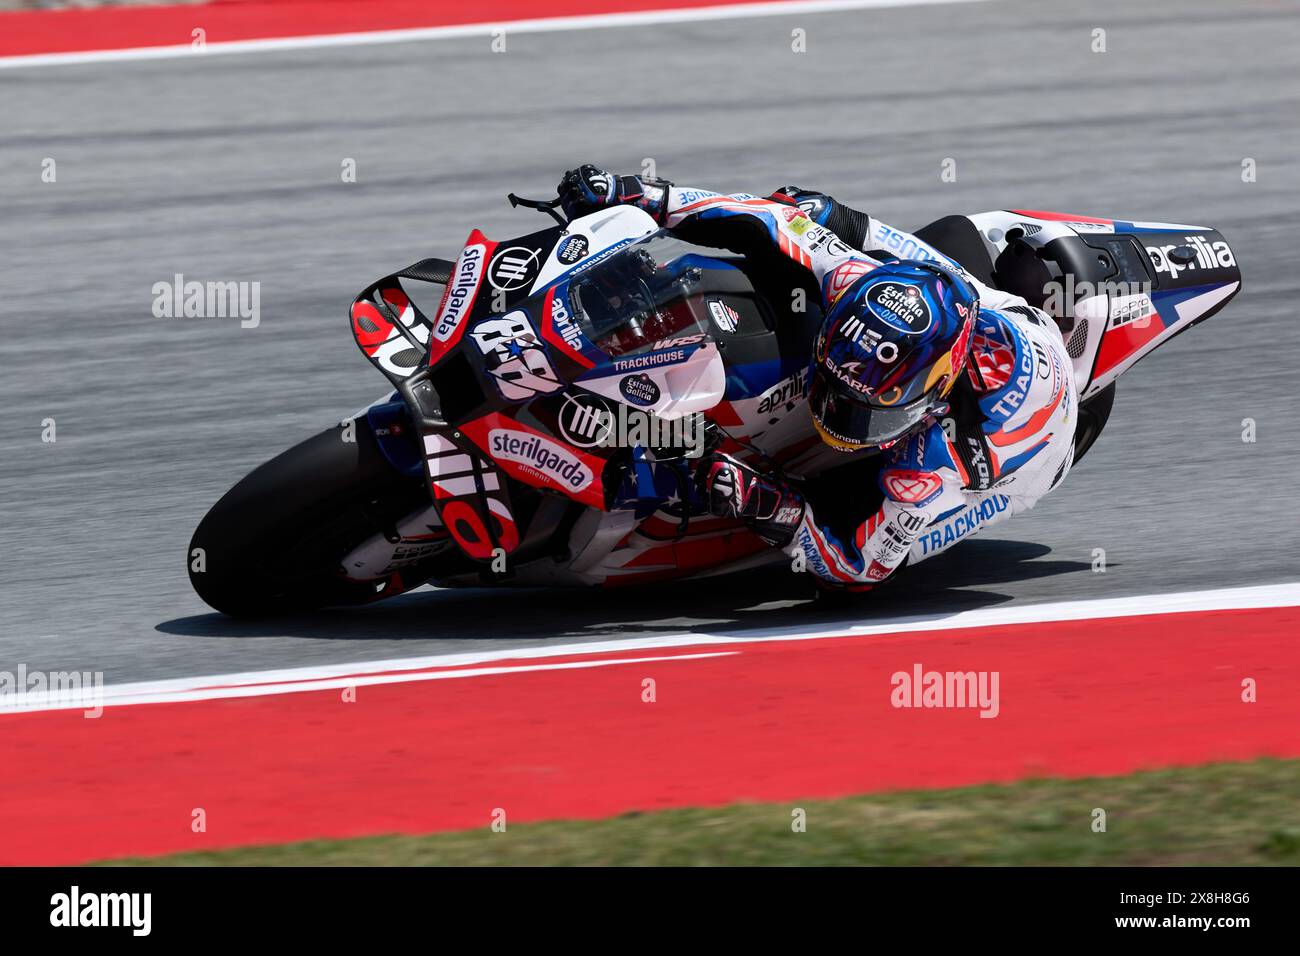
(770, 597)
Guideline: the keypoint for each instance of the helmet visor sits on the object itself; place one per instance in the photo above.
(850, 423)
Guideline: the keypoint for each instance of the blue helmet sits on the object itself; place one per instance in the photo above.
(890, 348)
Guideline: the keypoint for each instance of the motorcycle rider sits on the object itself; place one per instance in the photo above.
(967, 390)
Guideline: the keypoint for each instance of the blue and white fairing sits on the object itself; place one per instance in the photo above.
(1128, 286)
(620, 304)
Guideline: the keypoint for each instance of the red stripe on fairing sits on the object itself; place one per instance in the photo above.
(1059, 216)
(370, 341)
(779, 721)
(670, 560)
(657, 527)
(1121, 343)
(592, 494)
(724, 414)
(552, 334)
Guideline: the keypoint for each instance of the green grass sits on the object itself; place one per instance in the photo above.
(1230, 814)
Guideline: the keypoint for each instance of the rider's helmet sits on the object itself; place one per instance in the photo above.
(889, 350)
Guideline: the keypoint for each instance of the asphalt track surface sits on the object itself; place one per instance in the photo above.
(228, 168)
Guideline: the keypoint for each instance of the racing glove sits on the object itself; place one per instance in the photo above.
(767, 505)
(588, 188)
(847, 223)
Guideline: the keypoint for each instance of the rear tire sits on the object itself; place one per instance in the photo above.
(1093, 415)
(273, 544)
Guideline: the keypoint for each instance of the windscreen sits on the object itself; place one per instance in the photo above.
(638, 296)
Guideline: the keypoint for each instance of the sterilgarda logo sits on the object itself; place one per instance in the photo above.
(460, 292)
(899, 305)
(541, 456)
(1200, 254)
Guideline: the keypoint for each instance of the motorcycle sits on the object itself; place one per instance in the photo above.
(549, 394)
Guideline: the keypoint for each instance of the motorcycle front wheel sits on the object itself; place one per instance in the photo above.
(273, 543)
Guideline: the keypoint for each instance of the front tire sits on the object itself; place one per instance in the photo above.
(273, 544)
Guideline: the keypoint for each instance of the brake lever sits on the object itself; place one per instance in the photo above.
(544, 205)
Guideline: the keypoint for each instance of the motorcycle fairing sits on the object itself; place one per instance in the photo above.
(589, 239)
(473, 500)
(390, 423)
(468, 489)
(562, 331)
(763, 401)
(460, 295)
(1131, 285)
(539, 459)
(390, 329)
(679, 379)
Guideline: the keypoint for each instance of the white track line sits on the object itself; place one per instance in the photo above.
(542, 25)
(320, 677)
(113, 696)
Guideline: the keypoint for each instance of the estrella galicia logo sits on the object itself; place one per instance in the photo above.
(572, 249)
(514, 268)
(639, 390)
(900, 306)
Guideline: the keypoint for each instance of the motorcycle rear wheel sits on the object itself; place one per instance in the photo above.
(1093, 415)
(273, 543)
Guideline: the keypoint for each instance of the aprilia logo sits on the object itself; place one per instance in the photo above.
(783, 392)
(565, 325)
(1206, 255)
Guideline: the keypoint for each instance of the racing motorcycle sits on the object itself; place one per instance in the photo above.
(548, 396)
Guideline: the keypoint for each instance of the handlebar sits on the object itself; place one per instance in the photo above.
(547, 206)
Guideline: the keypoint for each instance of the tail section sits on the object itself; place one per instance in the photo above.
(1121, 288)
